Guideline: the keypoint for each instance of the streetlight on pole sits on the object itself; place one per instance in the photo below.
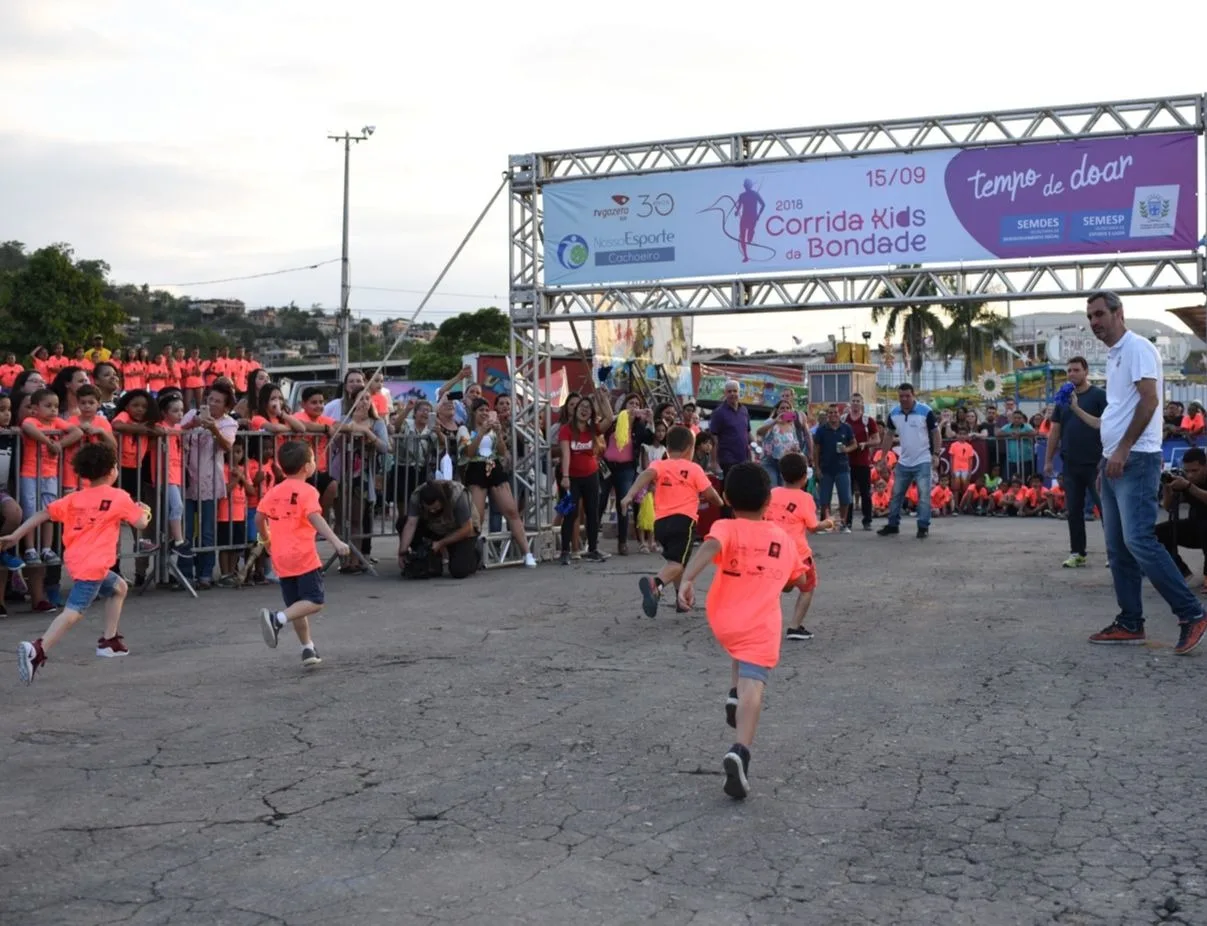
(344, 318)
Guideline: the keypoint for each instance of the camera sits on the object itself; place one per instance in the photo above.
(1169, 475)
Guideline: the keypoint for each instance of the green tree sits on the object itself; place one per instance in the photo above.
(484, 331)
(913, 321)
(55, 298)
(973, 330)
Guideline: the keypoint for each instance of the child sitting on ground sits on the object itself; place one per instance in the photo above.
(976, 498)
(882, 497)
(1056, 497)
(755, 560)
(942, 499)
(92, 518)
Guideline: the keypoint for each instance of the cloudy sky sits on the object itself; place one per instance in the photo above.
(187, 142)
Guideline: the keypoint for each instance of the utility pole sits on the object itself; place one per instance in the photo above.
(344, 319)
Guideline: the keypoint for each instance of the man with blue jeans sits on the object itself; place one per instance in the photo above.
(1131, 446)
(834, 442)
(917, 431)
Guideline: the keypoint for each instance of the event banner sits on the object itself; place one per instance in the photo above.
(648, 341)
(1094, 196)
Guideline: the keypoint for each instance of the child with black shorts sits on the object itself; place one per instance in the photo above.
(287, 519)
(679, 484)
(92, 518)
(756, 560)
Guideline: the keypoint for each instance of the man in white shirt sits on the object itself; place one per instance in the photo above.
(1131, 472)
(917, 430)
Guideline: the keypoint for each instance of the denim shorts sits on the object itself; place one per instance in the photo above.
(175, 504)
(751, 671)
(306, 587)
(37, 493)
(86, 591)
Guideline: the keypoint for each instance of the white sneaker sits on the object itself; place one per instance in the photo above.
(529, 561)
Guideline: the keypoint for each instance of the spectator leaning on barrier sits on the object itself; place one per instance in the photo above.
(1019, 438)
(917, 430)
(439, 522)
(1131, 445)
(1080, 454)
(208, 435)
(1190, 532)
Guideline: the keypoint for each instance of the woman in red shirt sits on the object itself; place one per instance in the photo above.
(580, 446)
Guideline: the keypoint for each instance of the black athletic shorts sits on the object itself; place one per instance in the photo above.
(675, 534)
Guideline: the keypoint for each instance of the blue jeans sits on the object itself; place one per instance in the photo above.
(772, 467)
(826, 484)
(902, 476)
(1129, 513)
(622, 479)
(203, 563)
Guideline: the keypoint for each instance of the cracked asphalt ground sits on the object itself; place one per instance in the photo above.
(524, 747)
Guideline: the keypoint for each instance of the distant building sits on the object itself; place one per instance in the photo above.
(160, 327)
(263, 318)
(218, 307)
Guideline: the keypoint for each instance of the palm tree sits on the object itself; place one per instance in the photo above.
(974, 329)
(913, 321)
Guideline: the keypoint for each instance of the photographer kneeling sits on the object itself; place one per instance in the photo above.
(1190, 488)
(440, 520)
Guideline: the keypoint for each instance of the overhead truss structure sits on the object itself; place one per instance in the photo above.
(534, 306)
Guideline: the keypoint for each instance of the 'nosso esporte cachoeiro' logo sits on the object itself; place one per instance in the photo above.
(572, 252)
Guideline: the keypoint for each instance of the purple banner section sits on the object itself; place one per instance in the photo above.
(1087, 197)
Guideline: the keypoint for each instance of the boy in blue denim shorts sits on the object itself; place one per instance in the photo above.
(91, 520)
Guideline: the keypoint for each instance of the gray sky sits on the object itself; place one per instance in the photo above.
(186, 142)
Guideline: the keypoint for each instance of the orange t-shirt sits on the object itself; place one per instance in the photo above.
(381, 404)
(157, 374)
(980, 493)
(317, 442)
(92, 521)
(175, 454)
(191, 369)
(911, 494)
(237, 370)
(961, 454)
(1036, 497)
(30, 449)
(134, 375)
(9, 373)
(214, 369)
(677, 487)
(54, 364)
(940, 496)
(101, 423)
(887, 457)
(756, 561)
(1057, 495)
(288, 506)
(880, 499)
(1194, 425)
(234, 506)
(131, 447)
(796, 512)
(84, 364)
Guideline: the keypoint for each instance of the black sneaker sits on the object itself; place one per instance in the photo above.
(923, 533)
(888, 530)
(594, 556)
(867, 525)
(731, 708)
(736, 764)
(649, 596)
(565, 560)
(799, 633)
(310, 656)
(269, 627)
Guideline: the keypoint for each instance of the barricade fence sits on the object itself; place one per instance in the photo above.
(203, 489)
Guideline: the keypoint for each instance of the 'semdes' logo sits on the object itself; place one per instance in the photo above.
(572, 252)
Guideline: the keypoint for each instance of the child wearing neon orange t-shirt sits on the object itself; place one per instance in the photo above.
(795, 510)
(961, 454)
(882, 497)
(92, 518)
(975, 499)
(287, 519)
(1056, 496)
(679, 484)
(942, 499)
(755, 559)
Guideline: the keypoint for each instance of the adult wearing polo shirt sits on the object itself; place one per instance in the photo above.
(730, 425)
(1131, 445)
(98, 347)
(917, 430)
(832, 444)
(1080, 453)
(867, 435)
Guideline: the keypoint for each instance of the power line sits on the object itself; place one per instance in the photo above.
(253, 276)
(391, 289)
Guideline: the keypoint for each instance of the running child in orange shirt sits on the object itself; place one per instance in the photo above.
(679, 484)
(795, 510)
(92, 518)
(756, 560)
(942, 499)
(287, 519)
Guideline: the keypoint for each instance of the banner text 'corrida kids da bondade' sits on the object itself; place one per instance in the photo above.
(1053, 199)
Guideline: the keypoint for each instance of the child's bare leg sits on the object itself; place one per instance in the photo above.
(802, 609)
(176, 530)
(750, 705)
(298, 614)
(47, 535)
(59, 626)
(113, 609)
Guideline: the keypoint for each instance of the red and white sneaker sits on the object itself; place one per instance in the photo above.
(29, 658)
(111, 647)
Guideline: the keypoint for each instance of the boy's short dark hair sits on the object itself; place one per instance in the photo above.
(793, 467)
(40, 394)
(962, 429)
(292, 457)
(311, 391)
(679, 439)
(1194, 455)
(88, 390)
(94, 461)
(747, 487)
